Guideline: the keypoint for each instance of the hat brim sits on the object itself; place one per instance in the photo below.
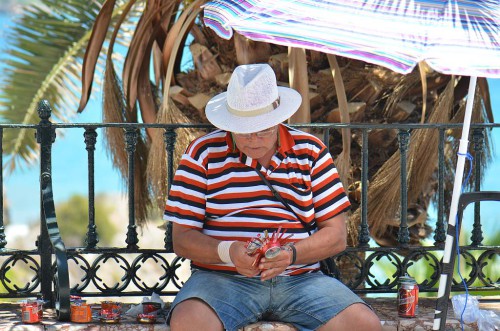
(217, 113)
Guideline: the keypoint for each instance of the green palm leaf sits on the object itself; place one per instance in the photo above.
(43, 61)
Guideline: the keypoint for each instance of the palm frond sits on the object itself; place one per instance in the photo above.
(43, 60)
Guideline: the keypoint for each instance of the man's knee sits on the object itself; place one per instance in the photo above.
(355, 317)
(361, 315)
(194, 314)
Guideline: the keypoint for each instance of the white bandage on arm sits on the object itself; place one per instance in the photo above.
(223, 251)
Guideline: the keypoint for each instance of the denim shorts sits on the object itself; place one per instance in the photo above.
(307, 301)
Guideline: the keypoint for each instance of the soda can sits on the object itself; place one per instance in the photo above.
(150, 307)
(32, 311)
(110, 312)
(407, 297)
(80, 312)
(271, 250)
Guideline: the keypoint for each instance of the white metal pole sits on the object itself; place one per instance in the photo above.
(457, 187)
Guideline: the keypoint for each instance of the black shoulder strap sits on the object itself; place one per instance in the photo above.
(307, 226)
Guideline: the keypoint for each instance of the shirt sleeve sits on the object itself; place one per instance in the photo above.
(186, 202)
(329, 196)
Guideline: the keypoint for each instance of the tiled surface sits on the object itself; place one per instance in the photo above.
(10, 320)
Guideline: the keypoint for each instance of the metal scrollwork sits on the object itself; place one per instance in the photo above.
(131, 271)
(81, 263)
(11, 269)
(120, 262)
(141, 262)
(470, 261)
(374, 260)
(488, 259)
(422, 260)
(174, 266)
(351, 262)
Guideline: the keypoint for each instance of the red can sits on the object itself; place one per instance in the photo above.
(32, 312)
(80, 312)
(407, 297)
(110, 312)
(150, 307)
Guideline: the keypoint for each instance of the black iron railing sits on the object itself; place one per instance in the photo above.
(56, 271)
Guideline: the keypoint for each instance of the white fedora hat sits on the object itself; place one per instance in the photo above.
(253, 101)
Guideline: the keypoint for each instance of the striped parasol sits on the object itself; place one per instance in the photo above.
(459, 37)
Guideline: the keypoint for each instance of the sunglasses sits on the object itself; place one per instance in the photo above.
(260, 134)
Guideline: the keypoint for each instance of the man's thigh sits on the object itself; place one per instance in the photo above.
(237, 301)
(311, 300)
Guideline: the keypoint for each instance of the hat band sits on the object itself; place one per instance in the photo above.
(254, 112)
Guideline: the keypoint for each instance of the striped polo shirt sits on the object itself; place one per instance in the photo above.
(217, 191)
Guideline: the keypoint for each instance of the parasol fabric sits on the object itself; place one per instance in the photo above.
(460, 37)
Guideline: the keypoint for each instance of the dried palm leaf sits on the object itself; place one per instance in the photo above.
(147, 104)
(141, 184)
(424, 145)
(99, 31)
(354, 80)
(384, 76)
(400, 90)
(145, 95)
(205, 62)
(114, 104)
(175, 31)
(156, 6)
(169, 113)
(479, 113)
(142, 192)
(385, 185)
(343, 161)
(383, 188)
(157, 170)
(140, 49)
(298, 79)
(113, 109)
(250, 51)
(423, 68)
(114, 112)
(484, 91)
(132, 47)
(157, 65)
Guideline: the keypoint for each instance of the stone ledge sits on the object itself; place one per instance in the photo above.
(10, 320)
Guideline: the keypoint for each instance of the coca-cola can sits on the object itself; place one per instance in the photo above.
(407, 297)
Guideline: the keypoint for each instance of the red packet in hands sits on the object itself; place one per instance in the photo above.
(268, 246)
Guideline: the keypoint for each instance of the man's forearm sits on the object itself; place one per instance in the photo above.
(194, 245)
(328, 241)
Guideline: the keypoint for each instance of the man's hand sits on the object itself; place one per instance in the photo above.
(242, 261)
(273, 267)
